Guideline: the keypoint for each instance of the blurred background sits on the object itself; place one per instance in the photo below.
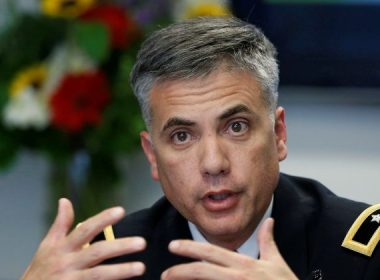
(69, 123)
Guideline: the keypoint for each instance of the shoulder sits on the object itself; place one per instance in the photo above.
(330, 222)
(325, 209)
(321, 200)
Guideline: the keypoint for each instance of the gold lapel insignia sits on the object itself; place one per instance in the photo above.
(364, 234)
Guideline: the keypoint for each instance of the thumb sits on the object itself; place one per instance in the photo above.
(63, 221)
(267, 245)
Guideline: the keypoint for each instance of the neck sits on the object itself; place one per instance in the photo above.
(229, 243)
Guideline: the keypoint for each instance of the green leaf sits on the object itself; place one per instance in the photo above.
(93, 38)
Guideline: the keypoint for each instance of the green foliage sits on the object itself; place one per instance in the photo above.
(27, 41)
(93, 38)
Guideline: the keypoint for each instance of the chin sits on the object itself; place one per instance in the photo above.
(222, 229)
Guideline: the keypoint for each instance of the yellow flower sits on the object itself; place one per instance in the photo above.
(27, 106)
(207, 9)
(184, 9)
(30, 77)
(65, 8)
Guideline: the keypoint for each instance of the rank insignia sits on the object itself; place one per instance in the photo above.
(364, 234)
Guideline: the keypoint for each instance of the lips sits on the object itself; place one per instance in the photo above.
(220, 201)
(218, 196)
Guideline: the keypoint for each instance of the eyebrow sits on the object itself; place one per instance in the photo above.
(177, 122)
(234, 110)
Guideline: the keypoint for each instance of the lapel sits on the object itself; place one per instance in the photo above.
(159, 224)
(172, 227)
(292, 214)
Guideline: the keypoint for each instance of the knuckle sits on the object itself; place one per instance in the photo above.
(245, 261)
(59, 265)
(49, 245)
(238, 275)
(197, 270)
(84, 230)
(95, 253)
(93, 275)
(170, 274)
(107, 214)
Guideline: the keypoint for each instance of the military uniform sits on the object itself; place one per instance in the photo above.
(310, 225)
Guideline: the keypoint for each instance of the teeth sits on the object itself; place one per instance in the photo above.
(220, 196)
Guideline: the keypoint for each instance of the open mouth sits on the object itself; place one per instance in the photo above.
(220, 201)
(219, 196)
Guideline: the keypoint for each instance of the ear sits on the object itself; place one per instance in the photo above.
(281, 135)
(147, 145)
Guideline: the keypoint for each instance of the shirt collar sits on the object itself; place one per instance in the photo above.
(249, 247)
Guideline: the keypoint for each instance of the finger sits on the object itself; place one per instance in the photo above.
(103, 250)
(207, 252)
(63, 221)
(114, 272)
(198, 270)
(267, 245)
(93, 226)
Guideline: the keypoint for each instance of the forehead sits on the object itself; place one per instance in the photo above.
(200, 97)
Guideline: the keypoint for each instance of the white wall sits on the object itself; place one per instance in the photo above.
(333, 137)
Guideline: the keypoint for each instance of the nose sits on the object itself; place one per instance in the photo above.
(214, 159)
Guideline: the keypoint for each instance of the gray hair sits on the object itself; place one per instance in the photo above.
(196, 47)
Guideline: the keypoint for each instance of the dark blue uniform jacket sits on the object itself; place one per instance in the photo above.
(310, 225)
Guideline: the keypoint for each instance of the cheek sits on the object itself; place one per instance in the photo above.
(177, 175)
(266, 148)
(182, 164)
(257, 162)
(257, 153)
(266, 166)
(180, 189)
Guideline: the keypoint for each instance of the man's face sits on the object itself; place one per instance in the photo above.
(216, 152)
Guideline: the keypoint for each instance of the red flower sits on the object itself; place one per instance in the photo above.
(120, 26)
(79, 101)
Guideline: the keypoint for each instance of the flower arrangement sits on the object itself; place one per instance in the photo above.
(64, 87)
(64, 92)
(64, 80)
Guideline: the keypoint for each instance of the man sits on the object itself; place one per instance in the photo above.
(208, 92)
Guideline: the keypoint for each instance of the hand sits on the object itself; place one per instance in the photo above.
(221, 264)
(60, 254)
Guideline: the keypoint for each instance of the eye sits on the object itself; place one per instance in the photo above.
(237, 128)
(180, 137)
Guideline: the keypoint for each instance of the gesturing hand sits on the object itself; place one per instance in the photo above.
(221, 264)
(60, 254)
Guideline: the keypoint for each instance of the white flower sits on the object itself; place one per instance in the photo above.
(28, 106)
(66, 58)
(26, 110)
